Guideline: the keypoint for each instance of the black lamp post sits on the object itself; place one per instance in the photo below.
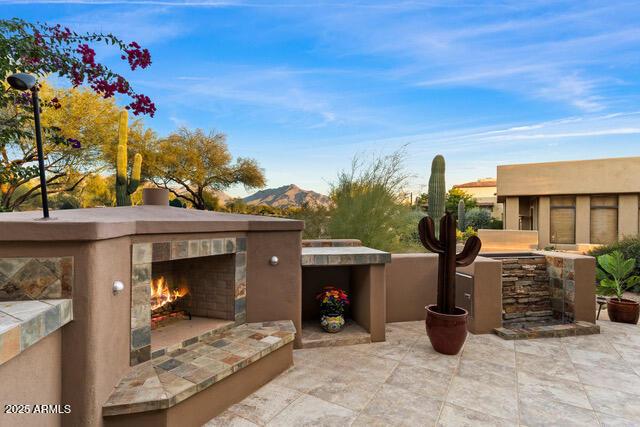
(22, 81)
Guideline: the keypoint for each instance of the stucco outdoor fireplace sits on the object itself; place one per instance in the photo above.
(183, 287)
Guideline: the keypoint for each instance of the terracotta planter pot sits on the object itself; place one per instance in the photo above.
(446, 332)
(623, 311)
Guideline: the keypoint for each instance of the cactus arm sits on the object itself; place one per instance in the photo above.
(427, 235)
(135, 174)
(123, 128)
(121, 165)
(470, 252)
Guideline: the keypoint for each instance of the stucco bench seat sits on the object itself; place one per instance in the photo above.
(168, 380)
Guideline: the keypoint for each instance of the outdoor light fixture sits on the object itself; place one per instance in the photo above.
(22, 82)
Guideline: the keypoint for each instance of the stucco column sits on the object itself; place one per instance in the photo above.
(627, 215)
(544, 221)
(512, 213)
(369, 298)
(583, 219)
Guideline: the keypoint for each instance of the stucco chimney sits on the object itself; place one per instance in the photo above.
(155, 197)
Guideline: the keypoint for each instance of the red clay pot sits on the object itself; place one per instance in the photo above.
(623, 310)
(446, 332)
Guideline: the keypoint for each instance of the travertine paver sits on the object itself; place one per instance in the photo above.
(581, 381)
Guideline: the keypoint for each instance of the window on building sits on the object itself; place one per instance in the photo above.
(563, 219)
(604, 219)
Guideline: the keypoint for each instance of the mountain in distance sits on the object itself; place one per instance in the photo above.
(287, 196)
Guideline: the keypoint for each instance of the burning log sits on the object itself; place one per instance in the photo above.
(164, 300)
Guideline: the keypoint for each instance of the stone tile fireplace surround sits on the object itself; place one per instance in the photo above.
(215, 270)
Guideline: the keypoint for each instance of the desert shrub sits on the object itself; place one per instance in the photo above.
(495, 224)
(630, 248)
(65, 201)
(368, 206)
(316, 220)
(477, 218)
(462, 236)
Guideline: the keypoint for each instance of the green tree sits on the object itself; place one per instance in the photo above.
(422, 200)
(43, 50)
(454, 196)
(193, 164)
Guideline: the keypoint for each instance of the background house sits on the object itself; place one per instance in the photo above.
(572, 203)
(485, 192)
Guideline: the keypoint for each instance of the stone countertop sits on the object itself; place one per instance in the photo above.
(108, 223)
(345, 255)
(24, 323)
(168, 380)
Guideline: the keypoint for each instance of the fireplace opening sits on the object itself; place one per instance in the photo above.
(165, 307)
(191, 296)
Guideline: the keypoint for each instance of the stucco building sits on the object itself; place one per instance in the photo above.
(572, 204)
(485, 192)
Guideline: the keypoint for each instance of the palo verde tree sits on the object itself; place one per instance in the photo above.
(43, 50)
(193, 165)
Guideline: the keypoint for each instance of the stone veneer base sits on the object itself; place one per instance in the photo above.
(548, 331)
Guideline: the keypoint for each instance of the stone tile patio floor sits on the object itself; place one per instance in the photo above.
(582, 381)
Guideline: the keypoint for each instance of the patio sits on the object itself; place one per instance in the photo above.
(581, 380)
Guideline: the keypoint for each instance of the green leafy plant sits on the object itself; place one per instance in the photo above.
(614, 274)
(630, 248)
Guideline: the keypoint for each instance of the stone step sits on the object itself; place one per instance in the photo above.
(547, 331)
(170, 379)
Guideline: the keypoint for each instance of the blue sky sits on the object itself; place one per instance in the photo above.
(303, 86)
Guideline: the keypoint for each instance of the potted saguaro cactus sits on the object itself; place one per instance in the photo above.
(447, 324)
(125, 186)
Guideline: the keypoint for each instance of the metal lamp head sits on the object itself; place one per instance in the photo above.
(21, 81)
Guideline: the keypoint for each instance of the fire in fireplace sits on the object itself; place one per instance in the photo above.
(165, 306)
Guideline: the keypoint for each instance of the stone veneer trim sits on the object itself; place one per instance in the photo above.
(29, 278)
(142, 257)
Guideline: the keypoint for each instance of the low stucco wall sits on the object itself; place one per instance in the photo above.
(411, 285)
(411, 282)
(34, 377)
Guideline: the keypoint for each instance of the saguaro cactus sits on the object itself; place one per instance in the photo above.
(125, 187)
(448, 259)
(436, 188)
(461, 216)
